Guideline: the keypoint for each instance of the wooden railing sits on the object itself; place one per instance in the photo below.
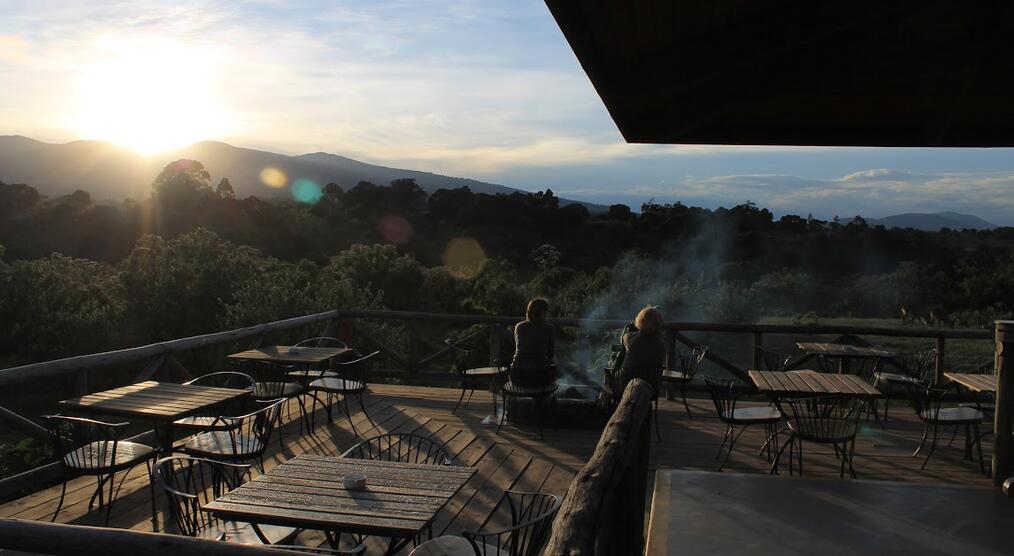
(603, 511)
(74, 540)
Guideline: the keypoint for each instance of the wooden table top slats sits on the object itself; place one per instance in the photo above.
(290, 354)
(154, 400)
(811, 383)
(981, 383)
(306, 491)
(843, 350)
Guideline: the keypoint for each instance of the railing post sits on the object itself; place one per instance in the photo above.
(670, 361)
(413, 347)
(495, 343)
(1004, 391)
(758, 342)
(938, 374)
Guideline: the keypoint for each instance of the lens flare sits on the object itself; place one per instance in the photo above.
(394, 229)
(463, 256)
(273, 177)
(306, 191)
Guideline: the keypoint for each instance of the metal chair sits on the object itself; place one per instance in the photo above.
(537, 384)
(190, 483)
(822, 420)
(473, 377)
(238, 439)
(724, 395)
(403, 447)
(686, 366)
(911, 368)
(305, 376)
(356, 551)
(350, 381)
(531, 517)
(927, 401)
(773, 360)
(93, 448)
(222, 379)
(272, 383)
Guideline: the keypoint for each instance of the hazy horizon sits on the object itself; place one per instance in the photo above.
(465, 88)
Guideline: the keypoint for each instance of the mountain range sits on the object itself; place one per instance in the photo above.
(933, 221)
(110, 172)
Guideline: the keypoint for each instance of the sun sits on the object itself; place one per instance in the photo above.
(149, 95)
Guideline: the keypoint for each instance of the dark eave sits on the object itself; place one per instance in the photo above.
(816, 72)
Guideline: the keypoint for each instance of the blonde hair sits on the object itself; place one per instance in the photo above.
(537, 309)
(649, 319)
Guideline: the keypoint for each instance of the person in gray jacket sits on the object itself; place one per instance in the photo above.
(533, 347)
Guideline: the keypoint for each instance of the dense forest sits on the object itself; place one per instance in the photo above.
(78, 277)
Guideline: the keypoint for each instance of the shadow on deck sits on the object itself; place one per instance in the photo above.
(518, 459)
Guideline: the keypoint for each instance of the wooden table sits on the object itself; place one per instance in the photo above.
(158, 402)
(811, 383)
(844, 353)
(699, 512)
(978, 383)
(399, 501)
(290, 355)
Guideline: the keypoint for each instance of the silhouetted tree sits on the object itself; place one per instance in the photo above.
(225, 189)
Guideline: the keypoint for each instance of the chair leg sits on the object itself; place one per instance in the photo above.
(933, 446)
(683, 394)
(732, 444)
(348, 413)
(728, 431)
(800, 444)
(778, 456)
(362, 407)
(63, 493)
(658, 433)
(978, 445)
(503, 416)
(151, 491)
(460, 398)
(925, 433)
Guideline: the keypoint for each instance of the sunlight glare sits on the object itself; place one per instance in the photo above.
(149, 95)
(463, 257)
(273, 177)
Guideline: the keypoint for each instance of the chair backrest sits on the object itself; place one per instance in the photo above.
(83, 444)
(916, 364)
(531, 517)
(271, 379)
(773, 360)
(458, 354)
(225, 379)
(723, 395)
(688, 362)
(925, 398)
(825, 419)
(190, 483)
(356, 369)
(250, 433)
(322, 342)
(403, 447)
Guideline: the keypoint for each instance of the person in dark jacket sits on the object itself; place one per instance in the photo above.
(645, 357)
(533, 347)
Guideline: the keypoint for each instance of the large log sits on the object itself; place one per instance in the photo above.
(595, 508)
(1003, 447)
(74, 540)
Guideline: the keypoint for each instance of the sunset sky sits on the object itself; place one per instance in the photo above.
(481, 89)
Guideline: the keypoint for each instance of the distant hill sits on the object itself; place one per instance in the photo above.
(933, 222)
(110, 172)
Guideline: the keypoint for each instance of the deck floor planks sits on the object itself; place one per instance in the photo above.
(518, 459)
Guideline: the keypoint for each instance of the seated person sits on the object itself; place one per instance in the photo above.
(533, 366)
(645, 357)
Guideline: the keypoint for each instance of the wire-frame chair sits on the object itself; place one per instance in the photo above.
(190, 483)
(531, 517)
(822, 420)
(927, 401)
(221, 379)
(725, 396)
(402, 447)
(774, 360)
(94, 448)
(238, 439)
(358, 550)
(272, 383)
(685, 366)
(304, 376)
(351, 380)
(488, 377)
(907, 368)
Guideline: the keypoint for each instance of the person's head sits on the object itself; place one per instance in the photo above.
(537, 309)
(649, 319)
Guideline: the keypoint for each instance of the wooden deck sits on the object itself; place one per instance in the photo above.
(517, 459)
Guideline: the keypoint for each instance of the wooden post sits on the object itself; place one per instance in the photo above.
(496, 333)
(758, 343)
(1004, 392)
(81, 382)
(413, 347)
(670, 362)
(938, 375)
